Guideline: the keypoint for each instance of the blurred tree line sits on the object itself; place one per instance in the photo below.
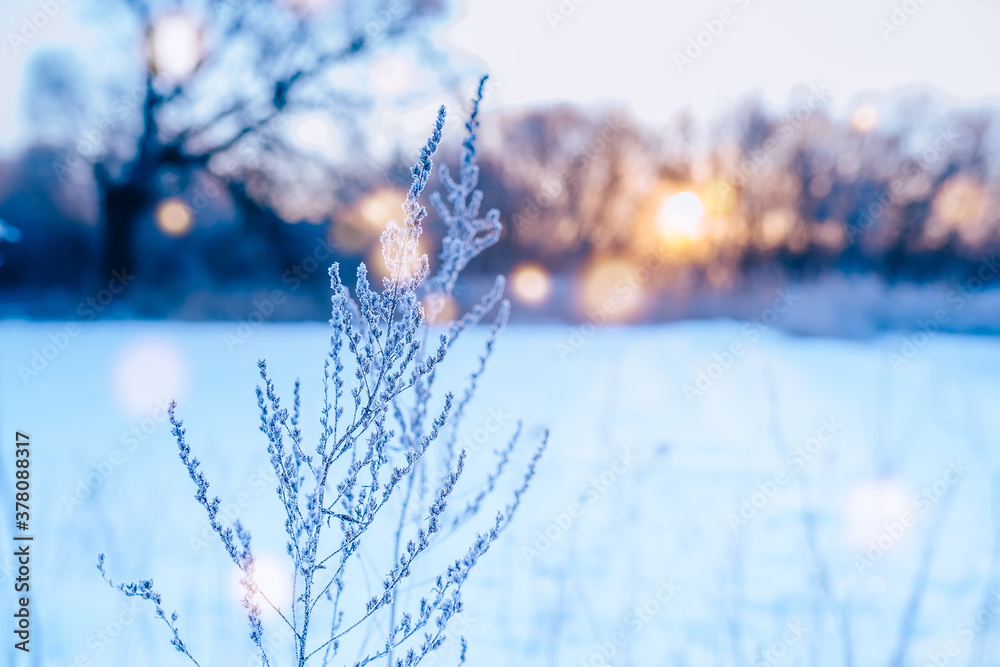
(203, 175)
(797, 193)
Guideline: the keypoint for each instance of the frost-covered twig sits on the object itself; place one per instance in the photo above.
(144, 590)
(337, 497)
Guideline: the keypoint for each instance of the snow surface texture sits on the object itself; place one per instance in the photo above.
(630, 540)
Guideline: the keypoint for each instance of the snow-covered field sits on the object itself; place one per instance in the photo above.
(665, 525)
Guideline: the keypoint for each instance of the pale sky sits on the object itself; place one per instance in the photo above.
(621, 53)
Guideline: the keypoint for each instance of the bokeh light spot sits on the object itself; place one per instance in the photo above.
(719, 197)
(681, 217)
(176, 44)
(148, 374)
(960, 201)
(173, 217)
(391, 74)
(439, 308)
(870, 507)
(271, 579)
(531, 284)
(410, 266)
(381, 206)
(613, 289)
(314, 132)
(308, 7)
(864, 119)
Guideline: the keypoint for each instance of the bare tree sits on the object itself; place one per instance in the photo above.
(219, 81)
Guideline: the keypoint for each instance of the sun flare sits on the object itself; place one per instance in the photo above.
(681, 217)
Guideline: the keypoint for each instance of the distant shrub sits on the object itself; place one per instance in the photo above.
(362, 467)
